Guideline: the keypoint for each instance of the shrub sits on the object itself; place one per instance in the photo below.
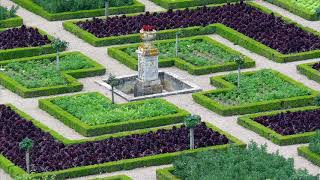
(314, 145)
(6, 13)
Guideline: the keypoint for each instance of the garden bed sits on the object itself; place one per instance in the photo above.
(197, 55)
(40, 76)
(286, 127)
(252, 163)
(107, 153)
(24, 42)
(311, 70)
(261, 31)
(92, 114)
(308, 9)
(39, 9)
(259, 91)
(173, 4)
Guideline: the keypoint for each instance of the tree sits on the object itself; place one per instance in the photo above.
(191, 122)
(113, 81)
(240, 61)
(106, 8)
(58, 45)
(26, 145)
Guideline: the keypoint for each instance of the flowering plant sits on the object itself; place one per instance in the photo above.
(148, 28)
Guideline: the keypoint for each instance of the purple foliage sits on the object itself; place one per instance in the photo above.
(49, 155)
(289, 123)
(316, 66)
(22, 37)
(266, 28)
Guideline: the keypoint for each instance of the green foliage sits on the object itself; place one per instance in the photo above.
(239, 60)
(26, 144)
(318, 12)
(113, 81)
(192, 121)
(30, 177)
(196, 52)
(254, 163)
(43, 73)
(6, 13)
(56, 6)
(317, 101)
(314, 144)
(260, 86)
(59, 44)
(95, 109)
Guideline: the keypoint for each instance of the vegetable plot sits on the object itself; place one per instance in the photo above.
(22, 37)
(265, 28)
(49, 154)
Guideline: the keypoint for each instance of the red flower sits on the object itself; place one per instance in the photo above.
(148, 28)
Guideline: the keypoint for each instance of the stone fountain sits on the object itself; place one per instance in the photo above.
(150, 82)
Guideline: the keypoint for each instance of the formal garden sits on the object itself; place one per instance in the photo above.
(159, 89)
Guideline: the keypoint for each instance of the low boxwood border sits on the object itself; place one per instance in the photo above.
(166, 174)
(70, 76)
(304, 151)
(11, 22)
(307, 70)
(88, 130)
(173, 4)
(118, 54)
(295, 9)
(127, 164)
(220, 29)
(35, 8)
(224, 86)
(117, 177)
(249, 123)
(27, 51)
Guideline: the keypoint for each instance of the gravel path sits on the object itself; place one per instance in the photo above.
(30, 106)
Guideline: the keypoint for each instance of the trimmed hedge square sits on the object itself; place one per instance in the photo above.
(307, 70)
(6, 54)
(173, 4)
(298, 10)
(249, 123)
(227, 110)
(126, 164)
(304, 151)
(37, 9)
(95, 130)
(70, 75)
(119, 54)
(220, 29)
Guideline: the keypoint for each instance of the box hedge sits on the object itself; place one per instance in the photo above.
(173, 4)
(96, 130)
(126, 164)
(304, 151)
(35, 8)
(249, 123)
(224, 86)
(119, 54)
(70, 76)
(307, 70)
(220, 29)
(11, 22)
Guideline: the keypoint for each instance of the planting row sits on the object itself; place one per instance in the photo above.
(49, 148)
(197, 55)
(267, 29)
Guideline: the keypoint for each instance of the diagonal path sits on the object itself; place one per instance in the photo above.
(99, 54)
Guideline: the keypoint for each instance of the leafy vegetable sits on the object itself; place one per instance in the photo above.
(263, 85)
(314, 144)
(290, 123)
(43, 73)
(6, 13)
(49, 154)
(254, 163)
(265, 28)
(22, 37)
(195, 52)
(95, 109)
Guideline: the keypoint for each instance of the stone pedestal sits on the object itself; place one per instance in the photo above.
(148, 81)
